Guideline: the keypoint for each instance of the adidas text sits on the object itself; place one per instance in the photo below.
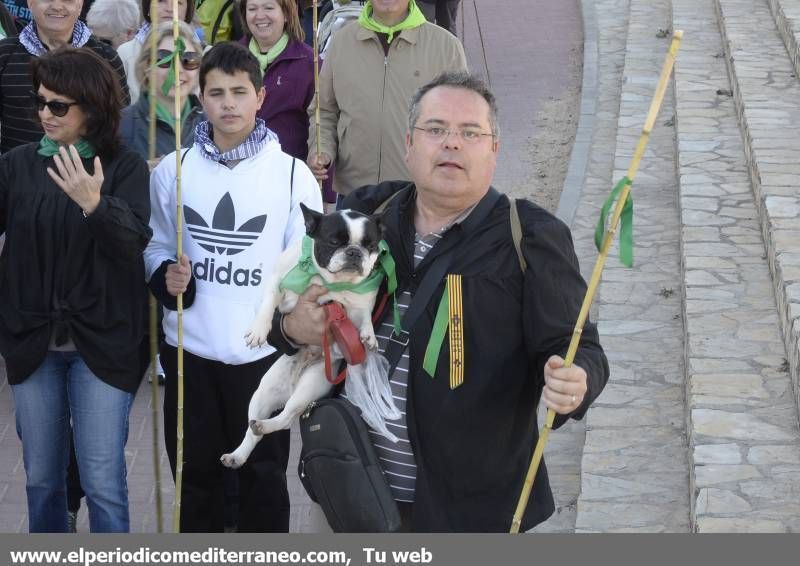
(225, 274)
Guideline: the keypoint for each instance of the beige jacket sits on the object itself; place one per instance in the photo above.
(364, 98)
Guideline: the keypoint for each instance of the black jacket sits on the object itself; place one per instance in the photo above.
(134, 128)
(61, 272)
(473, 444)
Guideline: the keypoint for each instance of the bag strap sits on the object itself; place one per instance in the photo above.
(218, 22)
(430, 282)
(291, 178)
(516, 232)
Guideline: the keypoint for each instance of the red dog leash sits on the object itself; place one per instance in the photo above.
(346, 335)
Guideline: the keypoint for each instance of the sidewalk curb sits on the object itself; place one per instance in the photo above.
(579, 157)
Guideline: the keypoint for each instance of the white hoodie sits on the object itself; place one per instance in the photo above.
(236, 224)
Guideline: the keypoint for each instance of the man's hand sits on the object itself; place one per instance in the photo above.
(73, 179)
(564, 388)
(178, 276)
(306, 323)
(319, 164)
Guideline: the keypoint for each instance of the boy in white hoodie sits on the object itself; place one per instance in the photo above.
(241, 197)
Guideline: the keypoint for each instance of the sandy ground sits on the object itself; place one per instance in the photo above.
(551, 143)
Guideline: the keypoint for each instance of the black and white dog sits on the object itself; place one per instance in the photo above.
(345, 250)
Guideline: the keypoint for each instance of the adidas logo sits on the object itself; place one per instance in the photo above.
(222, 237)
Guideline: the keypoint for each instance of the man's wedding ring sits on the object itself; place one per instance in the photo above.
(573, 399)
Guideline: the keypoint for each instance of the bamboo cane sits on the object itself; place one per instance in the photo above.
(153, 307)
(315, 25)
(655, 105)
(176, 61)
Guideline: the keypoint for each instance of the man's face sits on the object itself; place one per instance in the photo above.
(55, 16)
(231, 102)
(454, 171)
(389, 9)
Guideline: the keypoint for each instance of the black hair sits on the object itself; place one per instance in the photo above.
(455, 79)
(90, 81)
(231, 58)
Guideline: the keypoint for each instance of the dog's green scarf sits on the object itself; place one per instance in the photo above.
(299, 278)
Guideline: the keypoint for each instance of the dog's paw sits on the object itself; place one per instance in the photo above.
(231, 461)
(256, 335)
(368, 339)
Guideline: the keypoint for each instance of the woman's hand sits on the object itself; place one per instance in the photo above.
(73, 179)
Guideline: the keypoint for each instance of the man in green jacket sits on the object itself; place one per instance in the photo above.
(372, 69)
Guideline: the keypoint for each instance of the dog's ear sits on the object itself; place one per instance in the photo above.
(311, 218)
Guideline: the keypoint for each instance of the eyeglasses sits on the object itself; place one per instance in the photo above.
(57, 107)
(190, 60)
(437, 134)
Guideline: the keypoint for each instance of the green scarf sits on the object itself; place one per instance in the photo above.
(266, 59)
(163, 114)
(49, 148)
(299, 278)
(414, 19)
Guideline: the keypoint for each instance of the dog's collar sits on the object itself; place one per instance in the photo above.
(299, 278)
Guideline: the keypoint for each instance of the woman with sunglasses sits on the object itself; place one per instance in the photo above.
(135, 125)
(75, 209)
(130, 50)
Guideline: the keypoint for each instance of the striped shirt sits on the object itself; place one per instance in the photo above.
(397, 459)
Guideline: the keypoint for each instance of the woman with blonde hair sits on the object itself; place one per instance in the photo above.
(130, 50)
(136, 117)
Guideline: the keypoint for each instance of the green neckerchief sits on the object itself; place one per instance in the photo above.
(266, 59)
(163, 114)
(49, 148)
(414, 19)
(299, 278)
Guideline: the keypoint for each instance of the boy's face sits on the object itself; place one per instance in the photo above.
(231, 102)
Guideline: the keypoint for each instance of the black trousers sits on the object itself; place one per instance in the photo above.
(216, 397)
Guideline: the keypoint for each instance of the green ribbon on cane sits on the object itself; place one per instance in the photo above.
(626, 223)
(180, 49)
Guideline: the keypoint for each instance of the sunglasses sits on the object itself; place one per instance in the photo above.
(190, 60)
(57, 107)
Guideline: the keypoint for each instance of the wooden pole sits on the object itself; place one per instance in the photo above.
(315, 25)
(655, 105)
(153, 306)
(176, 61)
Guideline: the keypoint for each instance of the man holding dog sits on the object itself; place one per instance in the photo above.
(469, 426)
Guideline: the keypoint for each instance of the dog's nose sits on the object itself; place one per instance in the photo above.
(353, 253)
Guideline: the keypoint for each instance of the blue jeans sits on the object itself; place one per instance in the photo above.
(61, 387)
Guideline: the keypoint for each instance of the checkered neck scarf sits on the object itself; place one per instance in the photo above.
(255, 142)
(31, 42)
(141, 35)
